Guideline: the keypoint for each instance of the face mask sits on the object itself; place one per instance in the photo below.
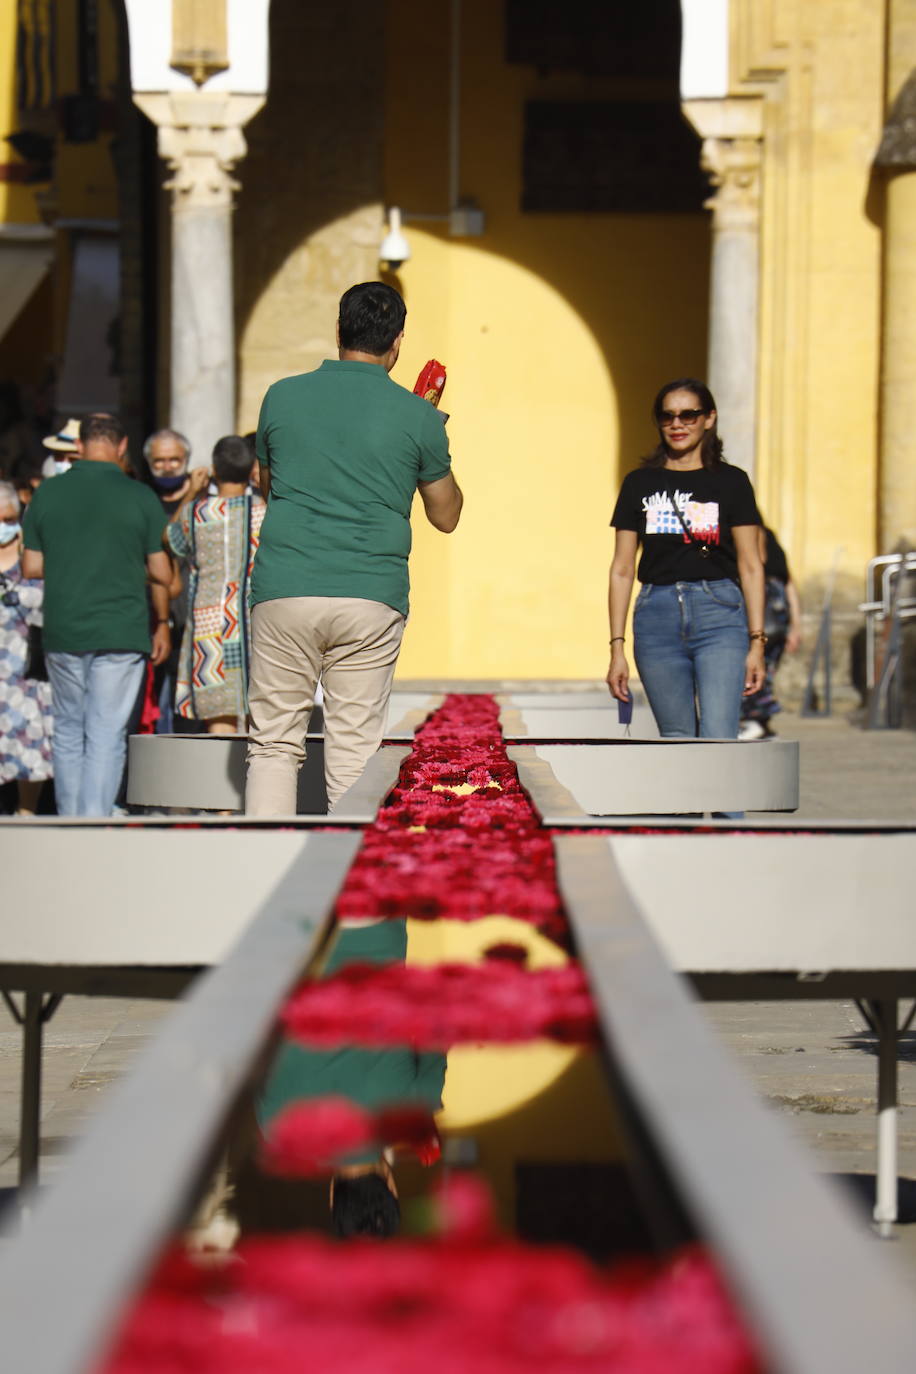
(61, 465)
(9, 530)
(166, 484)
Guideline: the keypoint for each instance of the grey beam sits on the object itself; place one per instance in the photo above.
(818, 1295)
(360, 803)
(538, 780)
(91, 1240)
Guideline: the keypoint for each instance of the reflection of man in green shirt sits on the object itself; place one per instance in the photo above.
(363, 1191)
(342, 451)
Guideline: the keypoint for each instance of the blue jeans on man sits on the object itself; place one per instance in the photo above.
(93, 696)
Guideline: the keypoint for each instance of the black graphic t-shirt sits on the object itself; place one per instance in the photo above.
(712, 502)
(776, 564)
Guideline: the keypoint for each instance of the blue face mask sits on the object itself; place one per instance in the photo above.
(172, 483)
(9, 530)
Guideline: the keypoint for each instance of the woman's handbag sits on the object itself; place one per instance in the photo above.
(36, 669)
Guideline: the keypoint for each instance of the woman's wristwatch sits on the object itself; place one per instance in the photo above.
(759, 634)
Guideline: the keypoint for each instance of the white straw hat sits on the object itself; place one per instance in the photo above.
(64, 441)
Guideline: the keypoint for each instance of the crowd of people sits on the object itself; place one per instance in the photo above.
(151, 610)
(221, 596)
(123, 606)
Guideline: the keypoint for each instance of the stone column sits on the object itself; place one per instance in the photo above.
(731, 130)
(733, 168)
(200, 136)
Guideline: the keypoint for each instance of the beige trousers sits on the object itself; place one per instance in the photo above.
(352, 645)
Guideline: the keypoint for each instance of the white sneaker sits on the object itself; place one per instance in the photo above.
(751, 729)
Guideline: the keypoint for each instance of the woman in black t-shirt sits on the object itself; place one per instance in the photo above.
(698, 621)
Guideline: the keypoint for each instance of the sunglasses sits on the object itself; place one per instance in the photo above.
(689, 417)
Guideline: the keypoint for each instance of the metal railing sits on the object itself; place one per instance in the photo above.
(890, 599)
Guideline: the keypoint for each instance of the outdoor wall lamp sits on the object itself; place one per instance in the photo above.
(465, 220)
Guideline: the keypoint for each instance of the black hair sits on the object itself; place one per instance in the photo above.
(364, 1206)
(25, 468)
(711, 448)
(232, 459)
(100, 426)
(371, 317)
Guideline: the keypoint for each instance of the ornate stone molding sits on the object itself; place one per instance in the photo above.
(201, 139)
(732, 156)
(733, 166)
(201, 161)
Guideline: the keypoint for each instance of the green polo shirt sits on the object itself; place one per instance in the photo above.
(95, 527)
(372, 1078)
(346, 447)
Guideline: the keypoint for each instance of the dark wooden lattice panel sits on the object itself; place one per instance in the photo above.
(629, 156)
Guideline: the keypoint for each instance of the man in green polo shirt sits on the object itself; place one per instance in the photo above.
(342, 450)
(95, 537)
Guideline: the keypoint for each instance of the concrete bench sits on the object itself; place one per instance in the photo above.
(626, 777)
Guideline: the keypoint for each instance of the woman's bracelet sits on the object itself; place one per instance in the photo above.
(618, 639)
(759, 634)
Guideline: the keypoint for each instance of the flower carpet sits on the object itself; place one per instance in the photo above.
(459, 839)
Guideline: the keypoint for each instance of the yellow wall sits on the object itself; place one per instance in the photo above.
(86, 183)
(820, 275)
(17, 201)
(556, 330)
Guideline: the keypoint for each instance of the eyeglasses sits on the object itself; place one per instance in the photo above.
(689, 417)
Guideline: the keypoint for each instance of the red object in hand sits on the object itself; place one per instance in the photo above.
(431, 382)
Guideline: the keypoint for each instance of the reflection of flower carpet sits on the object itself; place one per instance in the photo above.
(491, 1307)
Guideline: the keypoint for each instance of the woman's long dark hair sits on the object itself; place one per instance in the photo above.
(711, 449)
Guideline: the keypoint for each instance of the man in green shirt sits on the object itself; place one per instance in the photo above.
(342, 451)
(95, 537)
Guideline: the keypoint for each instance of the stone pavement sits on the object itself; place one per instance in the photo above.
(813, 1061)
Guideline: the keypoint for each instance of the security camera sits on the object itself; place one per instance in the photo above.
(394, 249)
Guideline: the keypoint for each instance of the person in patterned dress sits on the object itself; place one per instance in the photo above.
(218, 535)
(26, 721)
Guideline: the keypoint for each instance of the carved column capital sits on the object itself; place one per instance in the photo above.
(733, 166)
(201, 161)
(201, 139)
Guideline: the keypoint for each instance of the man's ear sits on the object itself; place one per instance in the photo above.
(337, 333)
(80, 448)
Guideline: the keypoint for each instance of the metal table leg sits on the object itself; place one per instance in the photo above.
(882, 1018)
(886, 1181)
(36, 1011)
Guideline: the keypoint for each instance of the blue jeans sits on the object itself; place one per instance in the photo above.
(690, 646)
(93, 695)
